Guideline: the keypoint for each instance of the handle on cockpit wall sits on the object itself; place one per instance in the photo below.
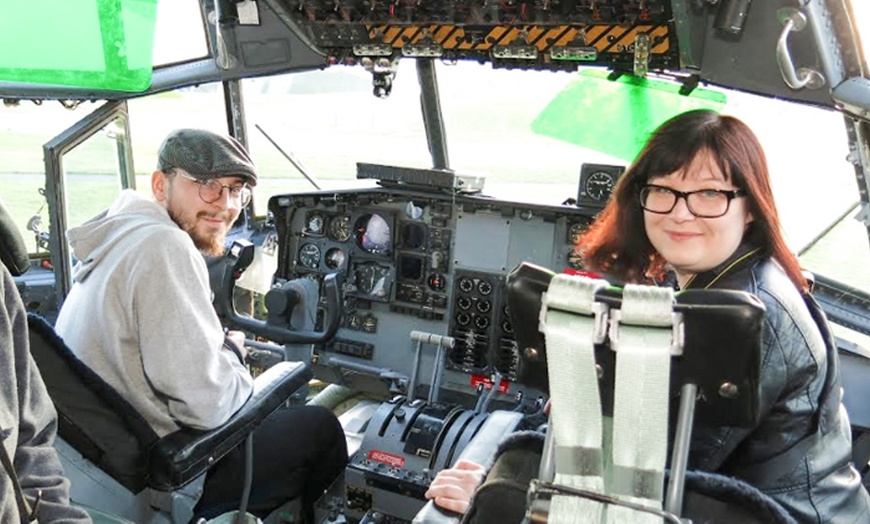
(794, 21)
(225, 44)
(238, 258)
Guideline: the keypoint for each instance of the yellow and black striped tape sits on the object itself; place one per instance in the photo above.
(604, 38)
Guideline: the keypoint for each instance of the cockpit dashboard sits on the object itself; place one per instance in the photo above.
(429, 261)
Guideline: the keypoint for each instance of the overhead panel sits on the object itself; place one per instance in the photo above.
(542, 34)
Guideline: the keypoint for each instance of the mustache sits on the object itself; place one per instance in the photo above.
(225, 217)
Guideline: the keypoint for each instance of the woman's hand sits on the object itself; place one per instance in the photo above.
(454, 488)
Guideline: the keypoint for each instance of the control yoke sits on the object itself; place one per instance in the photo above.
(238, 258)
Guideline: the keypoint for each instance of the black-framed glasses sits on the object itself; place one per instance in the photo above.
(703, 203)
(211, 190)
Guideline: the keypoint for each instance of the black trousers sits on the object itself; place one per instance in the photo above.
(298, 451)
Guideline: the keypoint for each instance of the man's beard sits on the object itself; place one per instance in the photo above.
(208, 245)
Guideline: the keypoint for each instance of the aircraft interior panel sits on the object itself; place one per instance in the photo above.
(553, 35)
(424, 318)
(482, 241)
(428, 262)
(535, 241)
(413, 269)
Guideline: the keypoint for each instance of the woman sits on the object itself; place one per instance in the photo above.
(697, 204)
(696, 210)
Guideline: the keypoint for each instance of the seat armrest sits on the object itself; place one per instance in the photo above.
(180, 457)
(481, 450)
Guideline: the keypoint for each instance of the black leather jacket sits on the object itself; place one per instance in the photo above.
(800, 451)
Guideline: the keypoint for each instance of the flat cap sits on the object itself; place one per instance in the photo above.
(206, 155)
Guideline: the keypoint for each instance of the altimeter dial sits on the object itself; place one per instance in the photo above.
(309, 256)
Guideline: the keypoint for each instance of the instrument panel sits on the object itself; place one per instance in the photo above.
(550, 34)
(426, 261)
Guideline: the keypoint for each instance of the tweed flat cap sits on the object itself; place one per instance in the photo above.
(206, 155)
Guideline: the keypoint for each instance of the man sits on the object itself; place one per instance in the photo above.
(32, 483)
(140, 315)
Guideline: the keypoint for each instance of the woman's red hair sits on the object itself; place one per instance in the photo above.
(616, 244)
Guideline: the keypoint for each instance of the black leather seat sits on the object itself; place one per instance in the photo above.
(92, 416)
(102, 425)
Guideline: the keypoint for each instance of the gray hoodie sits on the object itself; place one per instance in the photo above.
(140, 315)
(28, 422)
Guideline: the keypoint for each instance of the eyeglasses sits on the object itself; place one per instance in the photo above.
(703, 203)
(211, 190)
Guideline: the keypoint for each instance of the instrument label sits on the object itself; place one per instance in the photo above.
(477, 380)
(396, 461)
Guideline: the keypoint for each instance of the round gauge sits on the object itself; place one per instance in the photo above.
(575, 261)
(484, 287)
(315, 223)
(574, 231)
(339, 228)
(466, 284)
(309, 255)
(413, 235)
(353, 321)
(334, 258)
(369, 324)
(599, 185)
(373, 234)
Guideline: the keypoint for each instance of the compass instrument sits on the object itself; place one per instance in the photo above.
(597, 182)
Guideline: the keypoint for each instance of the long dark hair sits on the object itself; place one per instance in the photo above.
(617, 244)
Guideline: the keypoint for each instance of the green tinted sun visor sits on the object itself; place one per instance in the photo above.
(97, 44)
(616, 117)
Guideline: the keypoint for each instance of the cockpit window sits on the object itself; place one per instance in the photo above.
(180, 33)
(100, 45)
(529, 135)
(321, 123)
(515, 127)
(96, 44)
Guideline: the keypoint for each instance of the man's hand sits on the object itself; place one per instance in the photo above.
(454, 488)
(239, 339)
